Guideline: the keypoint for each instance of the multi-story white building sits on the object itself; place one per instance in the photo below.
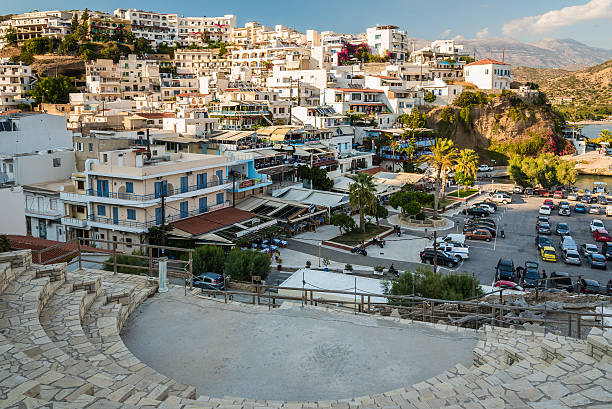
(130, 78)
(368, 103)
(55, 23)
(201, 62)
(44, 210)
(36, 167)
(16, 79)
(103, 78)
(157, 28)
(254, 35)
(488, 74)
(33, 132)
(119, 195)
(262, 60)
(201, 30)
(399, 98)
(388, 41)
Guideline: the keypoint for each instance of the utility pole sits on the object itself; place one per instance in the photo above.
(435, 247)
(233, 174)
(163, 218)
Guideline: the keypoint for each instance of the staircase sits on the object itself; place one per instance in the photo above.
(60, 347)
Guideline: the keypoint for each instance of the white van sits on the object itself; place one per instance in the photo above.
(456, 238)
(609, 210)
(459, 251)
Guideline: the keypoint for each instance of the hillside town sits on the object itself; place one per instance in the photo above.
(351, 176)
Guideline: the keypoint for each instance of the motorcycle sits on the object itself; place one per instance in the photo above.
(379, 243)
(359, 250)
(393, 271)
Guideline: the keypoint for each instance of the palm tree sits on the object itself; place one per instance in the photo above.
(410, 150)
(442, 158)
(362, 196)
(467, 163)
(605, 133)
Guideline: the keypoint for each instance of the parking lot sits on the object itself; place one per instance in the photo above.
(518, 220)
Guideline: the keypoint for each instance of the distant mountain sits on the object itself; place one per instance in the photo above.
(547, 53)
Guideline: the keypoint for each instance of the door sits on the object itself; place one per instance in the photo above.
(158, 216)
(161, 188)
(102, 188)
(202, 181)
(220, 176)
(203, 204)
(219, 198)
(184, 184)
(42, 229)
(115, 215)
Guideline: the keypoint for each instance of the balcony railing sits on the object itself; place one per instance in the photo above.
(150, 196)
(239, 113)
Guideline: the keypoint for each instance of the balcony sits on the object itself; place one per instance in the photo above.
(152, 196)
(72, 222)
(239, 113)
(245, 184)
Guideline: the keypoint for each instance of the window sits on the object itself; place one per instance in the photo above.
(356, 96)
(203, 204)
(91, 147)
(80, 184)
(202, 180)
(57, 162)
(80, 209)
(105, 158)
(79, 146)
(487, 71)
(377, 37)
(219, 198)
(184, 184)
(131, 214)
(129, 187)
(128, 242)
(184, 209)
(101, 210)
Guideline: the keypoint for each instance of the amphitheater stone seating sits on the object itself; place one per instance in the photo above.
(60, 347)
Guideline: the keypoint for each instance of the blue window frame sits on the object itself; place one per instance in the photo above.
(219, 198)
(203, 202)
(102, 186)
(158, 215)
(184, 209)
(161, 188)
(131, 214)
(115, 215)
(129, 187)
(220, 176)
(101, 210)
(184, 184)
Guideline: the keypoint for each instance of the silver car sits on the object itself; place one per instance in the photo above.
(571, 257)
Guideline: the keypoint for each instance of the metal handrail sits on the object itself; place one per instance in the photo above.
(157, 195)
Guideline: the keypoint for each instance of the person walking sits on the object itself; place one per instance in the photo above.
(544, 278)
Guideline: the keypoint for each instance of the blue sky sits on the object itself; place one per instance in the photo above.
(588, 21)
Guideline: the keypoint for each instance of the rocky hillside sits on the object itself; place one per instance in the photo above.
(499, 121)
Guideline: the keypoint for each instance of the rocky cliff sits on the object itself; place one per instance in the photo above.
(500, 120)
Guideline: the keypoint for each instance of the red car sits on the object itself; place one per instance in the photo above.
(549, 203)
(601, 235)
(558, 194)
(509, 285)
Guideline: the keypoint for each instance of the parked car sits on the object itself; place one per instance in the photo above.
(427, 256)
(572, 196)
(478, 211)
(606, 250)
(472, 227)
(505, 269)
(457, 251)
(501, 197)
(544, 228)
(479, 234)
(508, 285)
(558, 194)
(517, 189)
(588, 248)
(548, 253)
(579, 208)
(531, 277)
(562, 229)
(591, 287)
(457, 238)
(597, 225)
(571, 257)
(549, 203)
(568, 243)
(564, 209)
(481, 223)
(485, 168)
(483, 219)
(544, 210)
(602, 200)
(594, 209)
(596, 260)
(543, 219)
(208, 281)
(561, 280)
(608, 210)
(490, 205)
(543, 241)
(528, 191)
(601, 235)
(609, 287)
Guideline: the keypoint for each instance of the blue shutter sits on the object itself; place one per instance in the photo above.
(184, 184)
(129, 187)
(131, 214)
(158, 215)
(203, 204)
(220, 176)
(202, 181)
(101, 210)
(99, 187)
(184, 209)
(219, 198)
(115, 215)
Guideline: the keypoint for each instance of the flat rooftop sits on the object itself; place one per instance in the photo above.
(290, 353)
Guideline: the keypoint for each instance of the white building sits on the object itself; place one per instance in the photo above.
(157, 28)
(488, 74)
(12, 216)
(33, 132)
(15, 80)
(44, 210)
(200, 30)
(45, 166)
(447, 47)
(388, 40)
(52, 23)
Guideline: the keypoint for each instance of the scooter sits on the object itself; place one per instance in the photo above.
(393, 271)
(359, 250)
(379, 243)
(502, 234)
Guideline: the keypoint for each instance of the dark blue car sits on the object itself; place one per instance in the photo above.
(580, 208)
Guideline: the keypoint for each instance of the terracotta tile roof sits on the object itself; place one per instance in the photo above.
(373, 171)
(155, 115)
(35, 243)
(204, 223)
(487, 61)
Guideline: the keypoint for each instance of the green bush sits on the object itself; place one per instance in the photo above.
(128, 260)
(208, 259)
(241, 264)
(426, 284)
